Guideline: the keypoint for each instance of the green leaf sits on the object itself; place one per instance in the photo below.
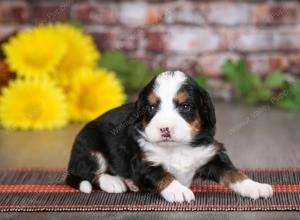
(296, 93)
(289, 105)
(296, 88)
(202, 81)
(157, 71)
(76, 23)
(291, 98)
(237, 73)
(253, 89)
(229, 70)
(132, 72)
(275, 79)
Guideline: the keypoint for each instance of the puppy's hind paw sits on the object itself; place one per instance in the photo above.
(112, 184)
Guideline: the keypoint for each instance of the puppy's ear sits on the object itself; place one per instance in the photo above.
(206, 109)
(141, 103)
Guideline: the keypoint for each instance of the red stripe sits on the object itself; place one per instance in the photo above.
(4, 169)
(65, 188)
(36, 188)
(168, 206)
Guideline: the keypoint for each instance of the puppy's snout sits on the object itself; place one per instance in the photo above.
(165, 132)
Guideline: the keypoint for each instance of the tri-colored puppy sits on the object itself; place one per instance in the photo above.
(157, 144)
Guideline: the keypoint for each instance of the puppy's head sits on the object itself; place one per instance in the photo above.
(174, 109)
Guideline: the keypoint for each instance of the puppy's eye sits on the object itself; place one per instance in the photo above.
(184, 108)
(151, 109)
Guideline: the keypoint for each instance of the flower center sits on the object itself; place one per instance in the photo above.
(37, 61)
(33, 111)
(87, 101)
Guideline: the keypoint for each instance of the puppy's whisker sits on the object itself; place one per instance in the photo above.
(143, 134)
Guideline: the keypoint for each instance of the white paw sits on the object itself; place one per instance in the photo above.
(85, 186)
(112, 184)
(252, 189)
(176, 192)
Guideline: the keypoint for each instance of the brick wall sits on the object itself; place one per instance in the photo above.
(178, 34)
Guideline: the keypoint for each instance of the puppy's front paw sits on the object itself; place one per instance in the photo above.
(112, 184)
(176, 192)
(252, 189)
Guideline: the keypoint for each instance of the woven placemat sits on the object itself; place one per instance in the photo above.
(44, 190)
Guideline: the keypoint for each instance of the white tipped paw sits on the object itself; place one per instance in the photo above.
(112, 184)
(252, 189)
(176, 192)
(85, 186)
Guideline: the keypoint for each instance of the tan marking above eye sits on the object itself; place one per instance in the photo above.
(196, 126)
(181, 97)
(153, 99)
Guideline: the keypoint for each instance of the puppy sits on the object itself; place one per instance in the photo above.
(157, 144)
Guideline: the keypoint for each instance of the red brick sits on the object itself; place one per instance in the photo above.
(266, 63)
(287, 39)
(266, 39)
(228, 38)
(96, 13)
(155, 41)
(49, 12)
(116, 39)
(259, 64)
(211, 64)
(295, 59)
(192, 40)
(126, 40)
(278, 62)
(183, 13)
(14, 12)
(184, 63)
(6, 32)
(133, 13)
(152, 60)
(228, 13)
(294, 65)
(153, 15)
(139, 14)
(103, 40)
(254, 40)
(276, 13)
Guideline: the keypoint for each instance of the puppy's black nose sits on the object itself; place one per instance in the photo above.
(165, 132)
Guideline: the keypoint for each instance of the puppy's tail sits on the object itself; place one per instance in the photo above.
(78, 183)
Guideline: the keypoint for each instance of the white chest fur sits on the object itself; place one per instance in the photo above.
(181, 161)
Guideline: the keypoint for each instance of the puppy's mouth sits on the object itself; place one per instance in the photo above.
(167, 141)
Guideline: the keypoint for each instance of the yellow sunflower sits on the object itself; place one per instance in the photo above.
(34, 53)
(93, 92)
(33, 103)
(81, 52)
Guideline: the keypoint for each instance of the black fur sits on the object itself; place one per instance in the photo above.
(115, 136)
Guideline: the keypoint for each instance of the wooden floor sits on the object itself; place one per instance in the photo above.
(257, 137)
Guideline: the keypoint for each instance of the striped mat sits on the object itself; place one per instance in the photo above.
(44, 190)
